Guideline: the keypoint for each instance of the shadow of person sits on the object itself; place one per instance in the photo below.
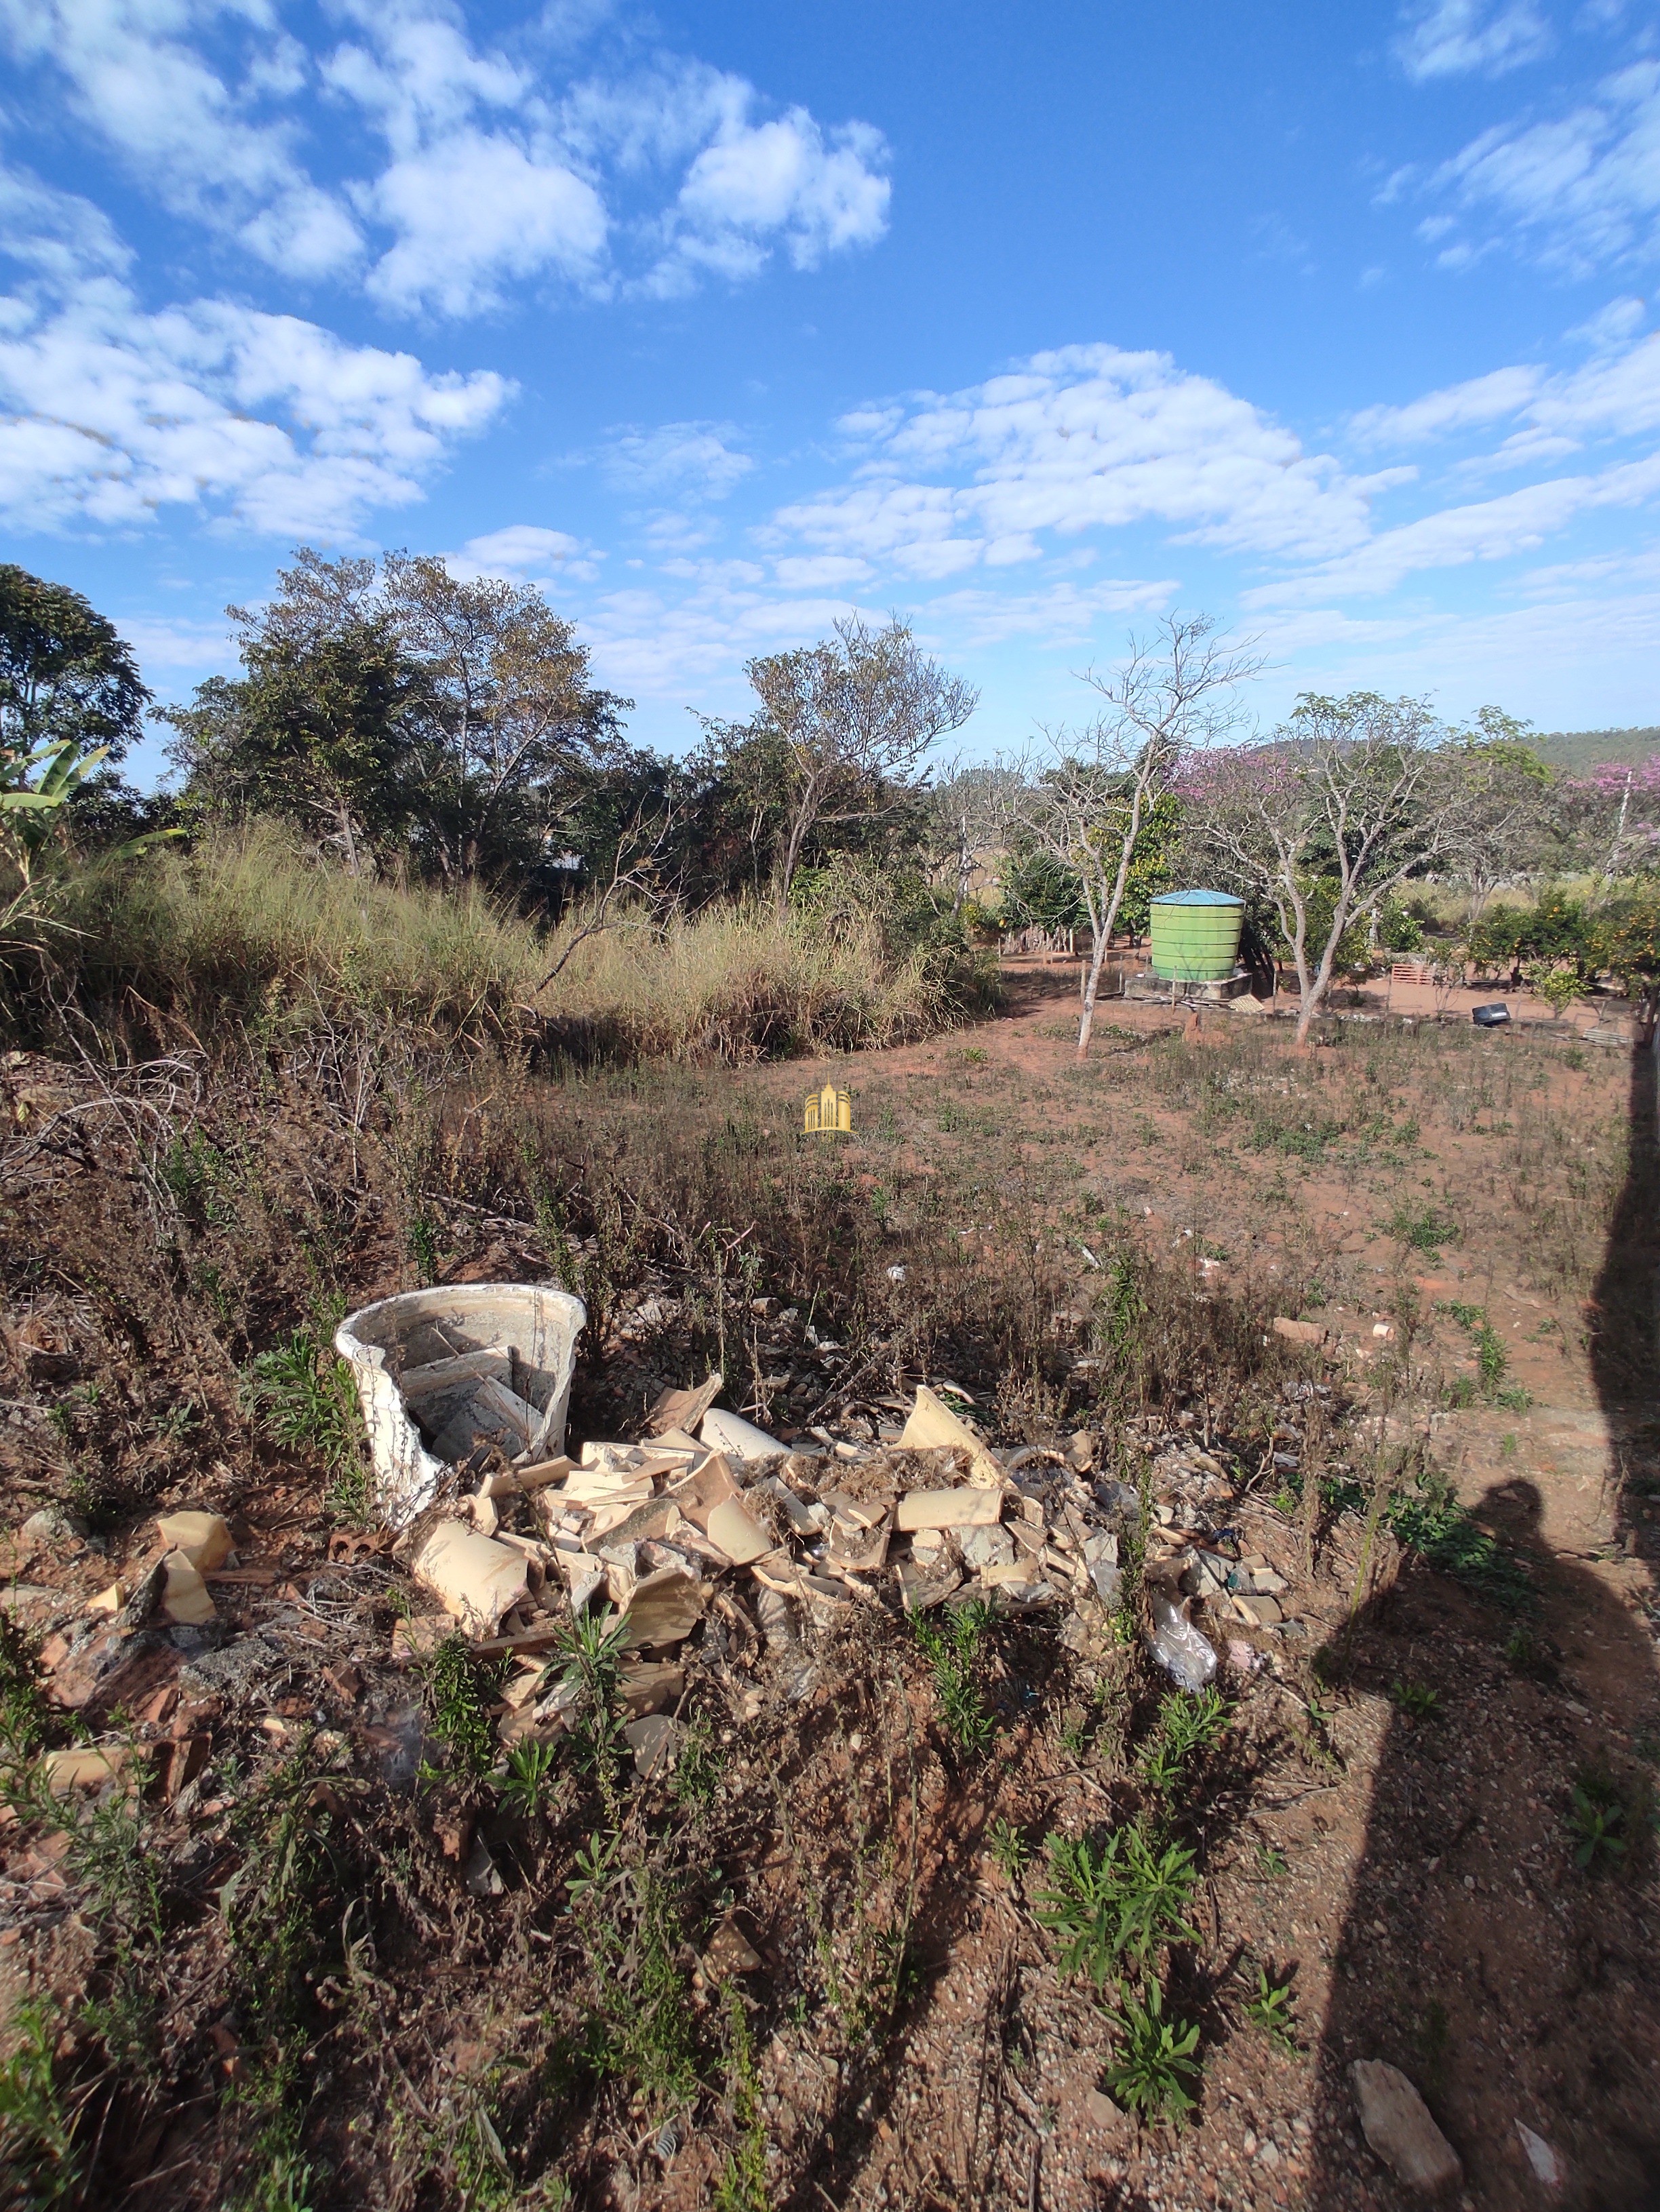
(1507, 1981)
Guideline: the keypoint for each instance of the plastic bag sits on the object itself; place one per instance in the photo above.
(1178, 1647)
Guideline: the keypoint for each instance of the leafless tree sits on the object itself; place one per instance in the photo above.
(1347, 801)
(856, 715)
(633, 882)
(971, 806)
(1085, 794)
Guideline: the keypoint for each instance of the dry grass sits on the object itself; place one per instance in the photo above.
(246, 932)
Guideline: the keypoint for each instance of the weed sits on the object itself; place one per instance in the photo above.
(1421, 1228)
(421, 1238)
(1188, 1725)
(1154, 2058)
(1010, 1852)
(697, 1767)
(1508, 1446)
(742, 2186)
(109, 1853)
(591, 1648)
(1491, 1357)
(1270, 2009)
(530, 1773)
(1513, 1398)
(953, 1649)
(1433, 1523)
(23, 1711)
(303, 1397)
(641, 2029)
(1417, 1701)
(1596, 1815)
(40, 2164)
(1271, 1864)
(459, 1691)
(1118, 1900)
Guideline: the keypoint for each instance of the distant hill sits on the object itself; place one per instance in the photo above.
(1579, 749)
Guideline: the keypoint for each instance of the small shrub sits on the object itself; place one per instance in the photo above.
(458, 1693)
(953, 1648)
(1597, 1822)
(1270, 2009)
(1417, 1701)
(39, 2163)
(529, 1772)
(1187, 1726)
(1121, 1899)
(303, 1397)
(1421, 1228)
(1154, 2059)
(1010, 1852)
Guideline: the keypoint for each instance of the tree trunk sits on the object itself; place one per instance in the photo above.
(1091, 982)
(347, 840)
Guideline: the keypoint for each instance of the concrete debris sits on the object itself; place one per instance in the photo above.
(183, 1596)
(1297, 1332)
(203, 1539)
(1396, 2123)
(476, 1580)
(727, 1432)
(932, 1423)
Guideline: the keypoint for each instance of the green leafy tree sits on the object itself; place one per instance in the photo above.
(850, 722)
(66, 677)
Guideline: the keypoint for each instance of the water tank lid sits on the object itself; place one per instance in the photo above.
(1197, 898)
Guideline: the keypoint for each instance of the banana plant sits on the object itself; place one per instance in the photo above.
(29, 810)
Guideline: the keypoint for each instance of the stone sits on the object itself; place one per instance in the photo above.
(1299, 1332)
(1258, 1611)
(653, 1741)
(1546, 2165)
(185, 1599)
(54, 1524)
(230, 1672)
(1100, 2112)
(1109, 1580)
(729, 1951)
(1396, 2123)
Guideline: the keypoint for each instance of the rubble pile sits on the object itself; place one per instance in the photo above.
(701, 1518)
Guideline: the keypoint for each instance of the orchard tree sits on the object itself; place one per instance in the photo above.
(1091, 799)
(1347, 801)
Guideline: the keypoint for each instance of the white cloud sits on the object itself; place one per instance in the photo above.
(1614, 395)
(1084, 438)
(264, 421)
(689, 459)
(524, 549)
(818, 572)
(202, 146)
(1461, 38)
(474, 210)
(1061, 614)
(1488, 530)
(1578, 192)
(815, 193)
(1481, 399)
(493, 175)
(1611, 328)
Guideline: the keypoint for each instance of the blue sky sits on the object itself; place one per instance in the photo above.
(1032, 323)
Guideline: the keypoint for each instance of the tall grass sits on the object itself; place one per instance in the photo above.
(246, 932)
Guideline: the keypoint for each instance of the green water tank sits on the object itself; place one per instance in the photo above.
(1195, 936)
